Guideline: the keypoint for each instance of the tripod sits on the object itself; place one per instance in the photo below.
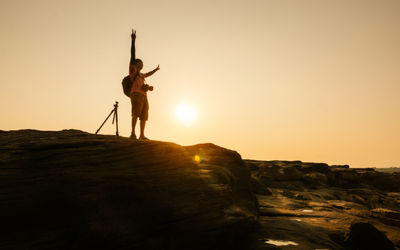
(115, 118)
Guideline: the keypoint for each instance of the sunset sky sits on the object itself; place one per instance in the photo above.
(308, 80)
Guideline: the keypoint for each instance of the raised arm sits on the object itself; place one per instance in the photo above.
(152, 72)
(133, 56)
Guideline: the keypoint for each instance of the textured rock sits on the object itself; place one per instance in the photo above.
(75, 190)
(316, 175)
(313, 205)
(365, 236)
(71, 189)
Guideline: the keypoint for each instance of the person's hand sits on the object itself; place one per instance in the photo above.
(133, 35)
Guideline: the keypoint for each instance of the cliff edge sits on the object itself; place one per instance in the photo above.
(75, 190)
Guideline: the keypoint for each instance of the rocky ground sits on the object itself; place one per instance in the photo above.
(313, 205)
(388, 170)
(75, 190)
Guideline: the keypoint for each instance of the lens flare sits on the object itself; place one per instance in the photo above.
(197, 158)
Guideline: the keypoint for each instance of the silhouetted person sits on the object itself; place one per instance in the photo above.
(140, 104)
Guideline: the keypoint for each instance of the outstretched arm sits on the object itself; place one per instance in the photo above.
(133, 56)
(152, 72)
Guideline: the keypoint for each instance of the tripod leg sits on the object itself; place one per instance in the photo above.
(112, 111)
(115, 118)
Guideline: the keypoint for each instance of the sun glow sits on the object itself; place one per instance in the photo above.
(186, 114)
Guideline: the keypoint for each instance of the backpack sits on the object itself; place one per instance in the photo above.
(127, 85)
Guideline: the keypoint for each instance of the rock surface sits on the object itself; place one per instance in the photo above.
(365, 236)
(75, 190)
(315, 205)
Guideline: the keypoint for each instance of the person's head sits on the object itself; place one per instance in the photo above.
(138, 64)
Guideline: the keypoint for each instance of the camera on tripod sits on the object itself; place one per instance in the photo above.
(113, 112)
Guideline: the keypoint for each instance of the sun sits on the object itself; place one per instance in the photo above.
(186, 114)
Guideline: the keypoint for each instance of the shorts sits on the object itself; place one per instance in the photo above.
(140, 106)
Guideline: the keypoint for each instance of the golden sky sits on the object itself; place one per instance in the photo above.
(308, 80)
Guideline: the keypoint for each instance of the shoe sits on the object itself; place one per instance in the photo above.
(133, 137)
(143, 138)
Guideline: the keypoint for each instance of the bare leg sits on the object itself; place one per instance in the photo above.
(142, 126)
(134, 120)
